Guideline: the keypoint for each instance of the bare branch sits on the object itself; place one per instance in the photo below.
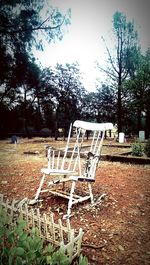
(124, 76)
(40, 27)
(110, 74)
(110, 57)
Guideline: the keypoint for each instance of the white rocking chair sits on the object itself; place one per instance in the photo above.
(76, 164)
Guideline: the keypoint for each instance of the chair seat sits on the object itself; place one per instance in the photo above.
(56, 171)
(82, 179)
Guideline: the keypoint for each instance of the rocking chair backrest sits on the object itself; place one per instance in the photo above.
(71, 159)
(97, 131)
(94, 151)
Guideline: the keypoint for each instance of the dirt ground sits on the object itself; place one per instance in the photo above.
(117, 229)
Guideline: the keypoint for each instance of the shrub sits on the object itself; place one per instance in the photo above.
(137, 149)
(147, 148)
(17, 246)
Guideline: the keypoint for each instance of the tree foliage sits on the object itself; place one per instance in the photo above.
(69, 93)
(138, 88)
(22, 24)
(105, 104)
(100, 105)
(32, 97)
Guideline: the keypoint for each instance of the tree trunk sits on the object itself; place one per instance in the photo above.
(147, 124)
(138, 120)
(119, 107)
(25, 112)
(56, 129)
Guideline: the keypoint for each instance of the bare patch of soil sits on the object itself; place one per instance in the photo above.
(117, 230)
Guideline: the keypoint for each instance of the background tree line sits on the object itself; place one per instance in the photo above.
(32, 97)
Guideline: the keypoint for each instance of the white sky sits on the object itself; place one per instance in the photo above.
(90, 20)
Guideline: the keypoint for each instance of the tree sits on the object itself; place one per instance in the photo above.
(105, 104)
(22, 93)
(45, 98)
(89, 110)
(121, 63)
(66, 79)
(100, 105)
(138, 88)
(22, 24)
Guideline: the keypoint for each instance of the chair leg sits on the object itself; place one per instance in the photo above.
(40, 187)
(91, 194)
(71, 199)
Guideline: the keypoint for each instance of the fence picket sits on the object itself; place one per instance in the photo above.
(49, 230)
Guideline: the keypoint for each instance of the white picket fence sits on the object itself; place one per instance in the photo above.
(57, 234)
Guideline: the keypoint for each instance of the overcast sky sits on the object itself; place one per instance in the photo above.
(90, 20)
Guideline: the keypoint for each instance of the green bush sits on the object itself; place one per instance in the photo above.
(17, 246)
(147, 148)
(137, 149)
